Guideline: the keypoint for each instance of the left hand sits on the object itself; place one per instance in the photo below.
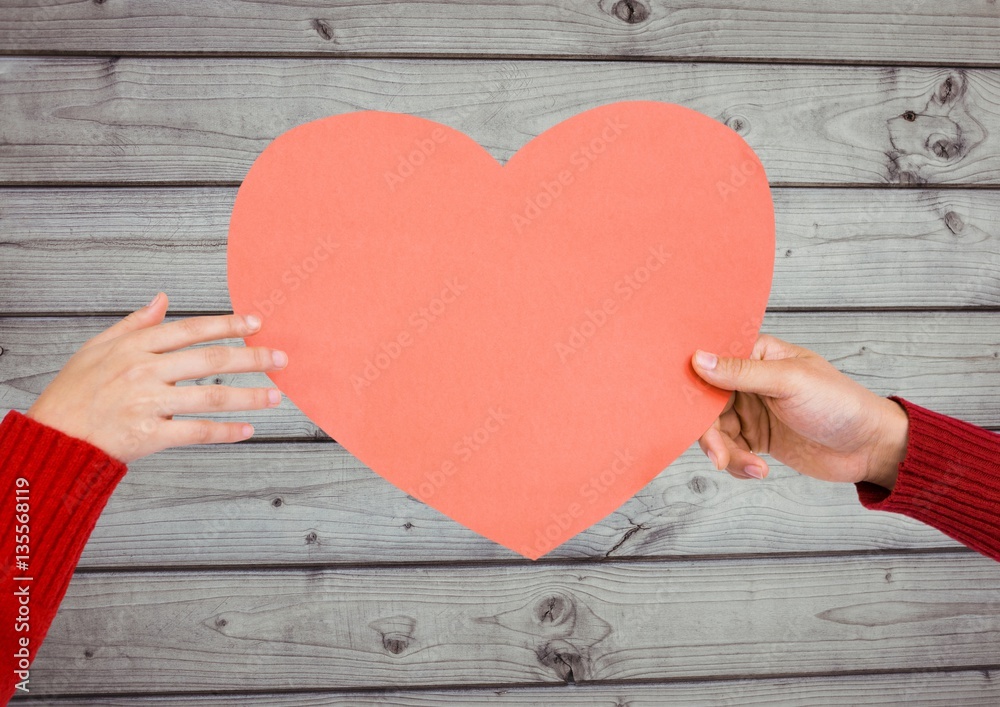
(117, 391)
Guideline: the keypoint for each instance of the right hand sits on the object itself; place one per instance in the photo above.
(791, 403)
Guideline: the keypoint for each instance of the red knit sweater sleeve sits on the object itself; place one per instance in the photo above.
(55, 487)
(949, 479)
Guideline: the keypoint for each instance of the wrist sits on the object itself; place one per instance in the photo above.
(890, 447)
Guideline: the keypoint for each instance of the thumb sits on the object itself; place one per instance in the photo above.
(769, 378)
(147, 316)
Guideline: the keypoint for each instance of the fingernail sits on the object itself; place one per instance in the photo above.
(715, 461)
(706, 360)
(280, 358)
(754, 471)
(274, 396)
(153, 301)
(252, 321)
(247, 431)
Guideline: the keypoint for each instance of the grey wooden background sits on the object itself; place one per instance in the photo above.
(280, 571)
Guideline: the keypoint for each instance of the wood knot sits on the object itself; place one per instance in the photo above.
(407, 525)
(788, 252)
(323, 29)
(395, 644)
(698, 484)
(221, 622)
(738, 123)
(630, 11)
(98, 2)
(944, 147)
(909, 116)
(952, 89)
(396, 632)
(555, 609)
(312, 538)
(562, 658)
(954, 222)
(946, 90)
(276, 503)
(88, 653)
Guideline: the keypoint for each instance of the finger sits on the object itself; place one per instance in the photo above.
(144, 317)
(220, 398)
(180, 433)
(195, 330)
(773, 378)
(714, 446)
(732, 454)
(211, 360)
(754, 421)
(771, 348)
(744, 463)
(730, 423)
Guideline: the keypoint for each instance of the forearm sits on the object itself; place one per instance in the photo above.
(56, 487)
(949, 478)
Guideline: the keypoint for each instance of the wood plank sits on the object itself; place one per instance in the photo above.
(947, 361)
(836, 248)
(161, 517)
(314, 503)
(519, 624)
(90, 120)
(894, 31)
(942, 689)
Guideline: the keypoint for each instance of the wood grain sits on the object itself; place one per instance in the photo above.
(315, 504)
(284, 572)
(519, 624)
(969, 688)
(893, 31)
(132, 120)
(947, 361)
(836, 248)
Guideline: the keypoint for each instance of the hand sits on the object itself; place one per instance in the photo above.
(117, 391)
(791, 403)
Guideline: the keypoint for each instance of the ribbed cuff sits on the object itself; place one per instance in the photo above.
(69, 481)
(949, 479)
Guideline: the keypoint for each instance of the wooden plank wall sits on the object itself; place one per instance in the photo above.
(280, 571)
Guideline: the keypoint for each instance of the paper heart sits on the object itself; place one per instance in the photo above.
(509, 344)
